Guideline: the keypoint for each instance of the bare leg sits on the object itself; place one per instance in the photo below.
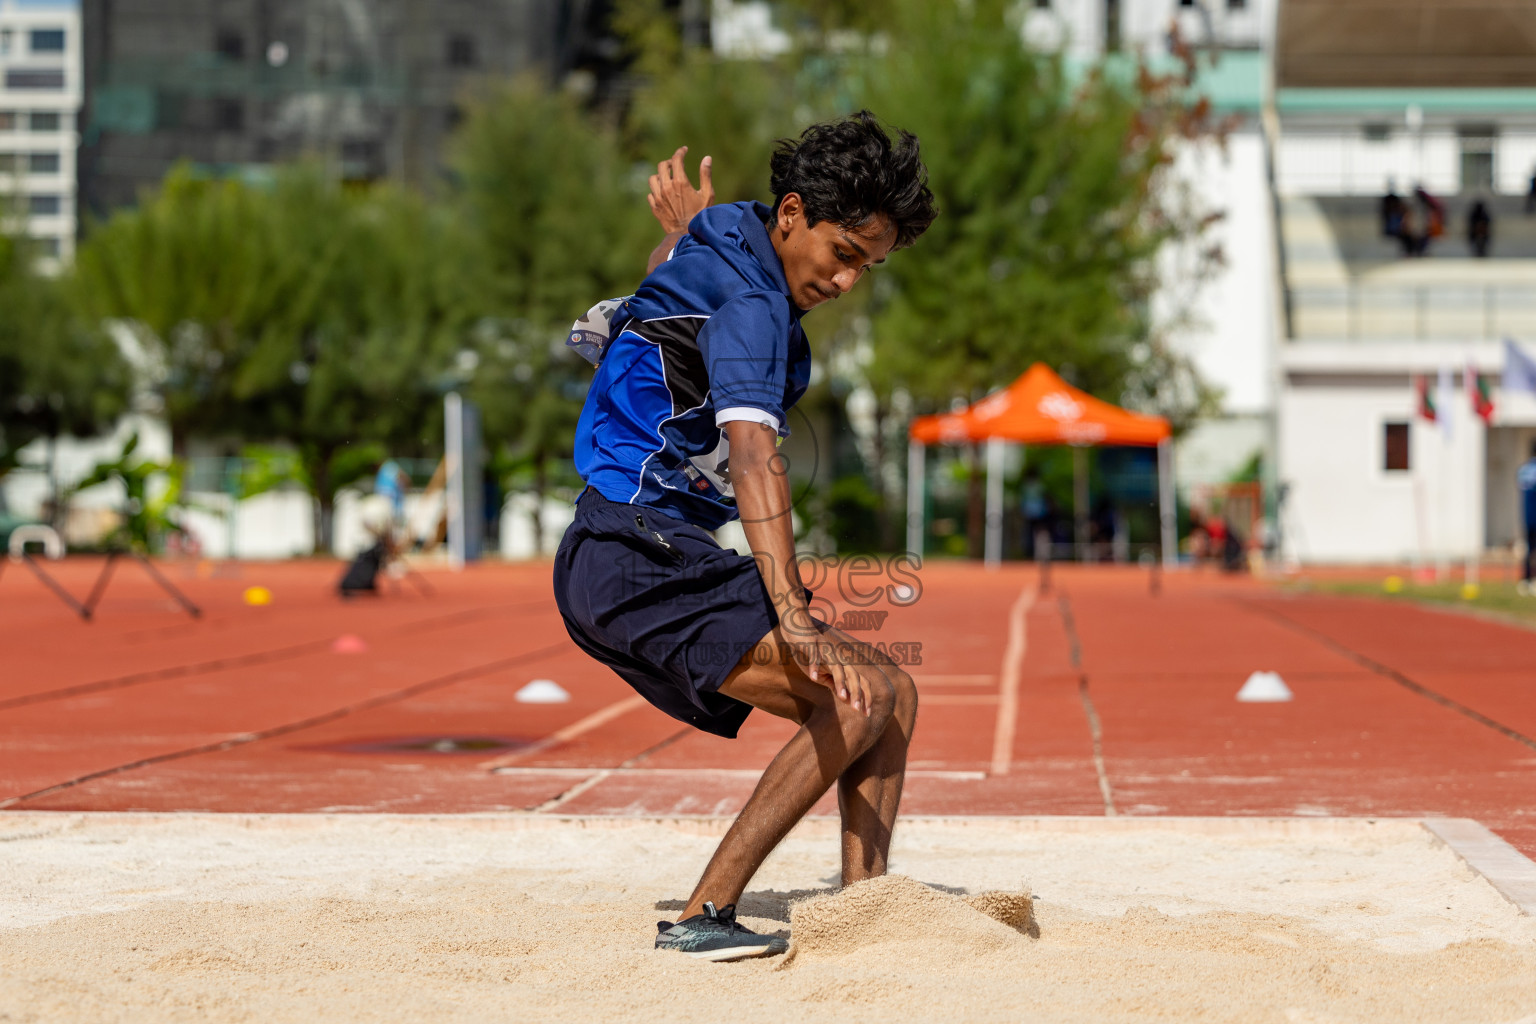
(869, 791)
(834, 742)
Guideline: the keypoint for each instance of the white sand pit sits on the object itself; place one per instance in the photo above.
(526, 918)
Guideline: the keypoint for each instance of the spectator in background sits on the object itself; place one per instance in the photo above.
(1479, 228)
(1392, 208)
(1525, 478)
(1102, 527)
(1033, 505)
(1408, 233)
(490, 508)
(1216, 537)
(390, 484)
(1199, 537)
(1434, 217)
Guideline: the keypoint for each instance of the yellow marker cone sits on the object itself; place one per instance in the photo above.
(1392, 584)
(257, 596)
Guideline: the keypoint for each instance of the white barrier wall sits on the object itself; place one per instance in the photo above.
(1342, 162)
(1231, 335)
(1342, 505)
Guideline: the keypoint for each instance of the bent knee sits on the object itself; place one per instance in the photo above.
(866, 724)
(882, 697)
(903, 696)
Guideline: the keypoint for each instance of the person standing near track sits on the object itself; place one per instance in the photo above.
(678, 436)
(1525, 478)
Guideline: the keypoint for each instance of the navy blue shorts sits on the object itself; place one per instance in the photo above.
(663, 605)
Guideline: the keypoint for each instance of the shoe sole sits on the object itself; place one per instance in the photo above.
(729, 953)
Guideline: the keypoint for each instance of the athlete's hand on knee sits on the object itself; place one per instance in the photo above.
(673, 198)
(826, 663)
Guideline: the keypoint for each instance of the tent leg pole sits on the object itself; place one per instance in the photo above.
(1043, 544)
(1080, 501)
(993, 551)
(916, 480)
(1167, 509)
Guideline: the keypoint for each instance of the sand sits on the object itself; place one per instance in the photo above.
(518, 918)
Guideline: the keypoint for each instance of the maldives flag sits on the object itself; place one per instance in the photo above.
(1426, 398)
(1477, 393)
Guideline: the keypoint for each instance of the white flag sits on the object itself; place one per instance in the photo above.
(1445, 398)
(1519, 369)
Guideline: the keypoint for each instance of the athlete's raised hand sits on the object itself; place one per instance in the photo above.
(673, 198)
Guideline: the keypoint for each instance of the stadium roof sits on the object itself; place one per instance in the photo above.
(1396, 44)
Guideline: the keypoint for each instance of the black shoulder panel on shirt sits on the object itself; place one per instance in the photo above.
(678, 339)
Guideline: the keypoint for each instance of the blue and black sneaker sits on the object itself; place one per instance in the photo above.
(715, 935)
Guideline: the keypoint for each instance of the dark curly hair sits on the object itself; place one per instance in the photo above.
(848, 172)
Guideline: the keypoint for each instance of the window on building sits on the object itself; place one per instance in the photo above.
(229, 44)
(1042, 5)
(43, 163)
(461, 51)
(9, 162)
(47, 40)
(1186, 3)
(1237, 5)
(229, 115)
(34, 78)
(1478, 144)
(45, 121)
(1111, 26)
(45, 206)
(8, 120)
(1395, 447)
(48, 247)
(1376, 131)
(5, 40)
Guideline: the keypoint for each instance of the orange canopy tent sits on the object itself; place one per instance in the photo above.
(1041, 408)
(1038, 408)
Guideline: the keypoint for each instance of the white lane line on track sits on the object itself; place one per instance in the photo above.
(570, 794)
(600, 717)
(1008, 691)
(951, 775)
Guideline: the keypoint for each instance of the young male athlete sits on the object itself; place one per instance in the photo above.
(679, 435)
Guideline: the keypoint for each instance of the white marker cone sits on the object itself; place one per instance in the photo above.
(543, 691)
(1264, 688)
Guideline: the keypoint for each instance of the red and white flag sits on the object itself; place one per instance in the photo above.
(1478, 393)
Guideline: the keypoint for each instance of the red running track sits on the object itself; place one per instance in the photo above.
(1095, 697)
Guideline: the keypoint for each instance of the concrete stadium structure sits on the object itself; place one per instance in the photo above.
(1366, 97)
(1317, 329)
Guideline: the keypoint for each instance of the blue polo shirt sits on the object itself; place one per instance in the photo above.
(710, 337)
(1526, 479)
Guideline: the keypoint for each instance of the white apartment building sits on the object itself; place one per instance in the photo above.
(1434, 93)
(40, 92)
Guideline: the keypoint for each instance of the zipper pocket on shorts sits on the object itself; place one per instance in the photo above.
(657, 539)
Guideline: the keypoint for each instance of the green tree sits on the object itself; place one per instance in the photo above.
(733, 110)
(297, 312)
(364, 370)
(58, 376)
(149, 512)
(1054, 199)
(554, 220)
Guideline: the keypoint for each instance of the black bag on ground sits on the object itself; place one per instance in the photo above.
(362, 575)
